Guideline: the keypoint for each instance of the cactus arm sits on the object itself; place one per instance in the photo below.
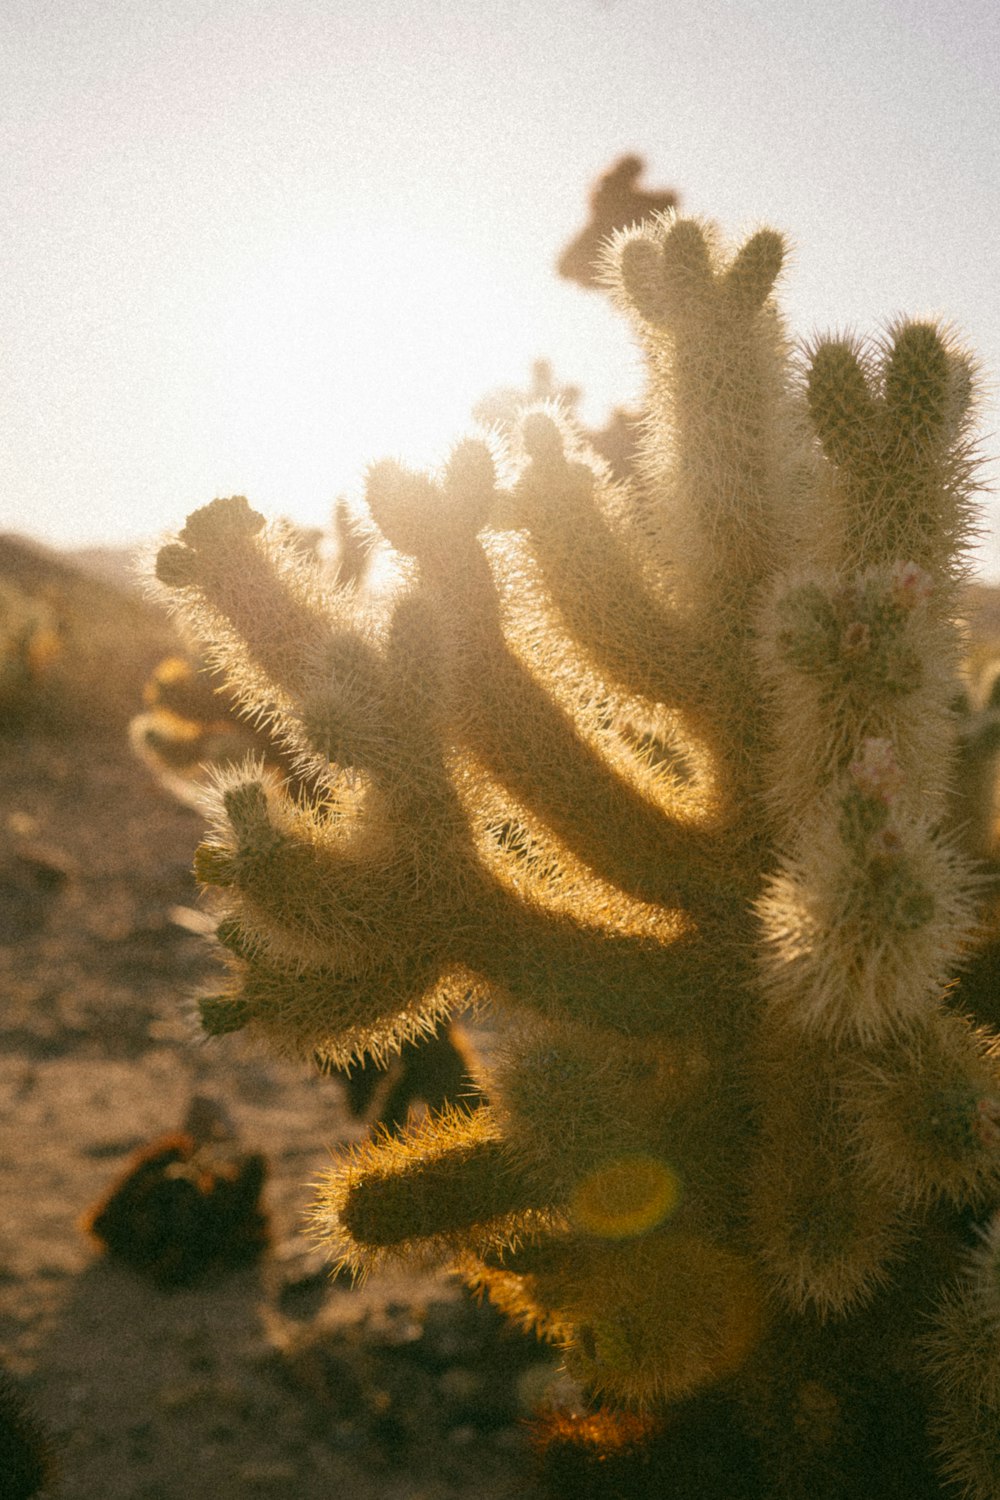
(862, 666)
(726, 458)
(302, 656)
(893, 424)
(508, 722)
(870, 909)
(423, 1195)
(556, 966)
(717, 395)
(962, 1356)
(828, 1235)
(321, 1014)
(588, 556)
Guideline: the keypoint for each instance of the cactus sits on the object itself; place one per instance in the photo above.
(616, 201)
(616, 443)
(185, 728)
(29, 643)
(660, 773)
(28, 1459)
(974, 812)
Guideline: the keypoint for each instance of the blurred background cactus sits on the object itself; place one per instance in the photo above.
(616, 201)
(29, 644)
(185, 727)
(662, 772)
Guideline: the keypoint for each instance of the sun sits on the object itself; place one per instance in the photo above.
(360, 342)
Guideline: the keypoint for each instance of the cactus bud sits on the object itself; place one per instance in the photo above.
(687, 267)
(401, 503)
(232, 937)
(876, 772)
(470, 485)
(640, 267)
(911, 585)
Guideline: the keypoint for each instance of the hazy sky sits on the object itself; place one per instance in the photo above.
(251, 245)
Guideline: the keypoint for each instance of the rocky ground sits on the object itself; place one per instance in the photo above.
(272, 1379)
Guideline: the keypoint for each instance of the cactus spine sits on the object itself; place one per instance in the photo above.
(658, 771)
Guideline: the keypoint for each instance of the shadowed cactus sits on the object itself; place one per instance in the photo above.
(974, 804)
(28, 1462)
(659, 773)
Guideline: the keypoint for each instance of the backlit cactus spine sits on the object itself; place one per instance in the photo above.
(659, 773)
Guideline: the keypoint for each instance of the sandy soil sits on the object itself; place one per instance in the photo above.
(272, 1380)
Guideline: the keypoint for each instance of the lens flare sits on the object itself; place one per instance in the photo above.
(626, 1197)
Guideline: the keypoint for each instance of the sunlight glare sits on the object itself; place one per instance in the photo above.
(355, 345)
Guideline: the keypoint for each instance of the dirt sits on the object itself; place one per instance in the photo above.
(274, 1379)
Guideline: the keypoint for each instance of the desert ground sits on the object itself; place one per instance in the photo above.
(273, 1378)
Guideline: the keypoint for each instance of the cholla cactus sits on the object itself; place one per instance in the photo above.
(29, 643)
(659, 773)
(185, 727)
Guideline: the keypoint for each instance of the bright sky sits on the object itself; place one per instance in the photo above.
(252, 245)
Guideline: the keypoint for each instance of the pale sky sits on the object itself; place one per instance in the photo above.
(253, 245)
